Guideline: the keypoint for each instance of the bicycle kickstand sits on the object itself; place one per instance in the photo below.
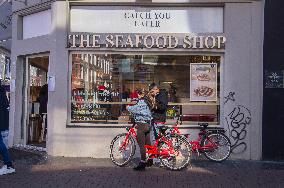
(198, 152)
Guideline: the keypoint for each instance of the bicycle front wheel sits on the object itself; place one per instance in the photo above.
(182, 153)
(218, 147)
(122, 149)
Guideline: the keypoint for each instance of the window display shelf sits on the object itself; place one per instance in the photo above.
(193, 104)
(169, 104)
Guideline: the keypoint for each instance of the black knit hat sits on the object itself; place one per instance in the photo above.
(151, 86)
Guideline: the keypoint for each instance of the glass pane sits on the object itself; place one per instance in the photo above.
(103, 84)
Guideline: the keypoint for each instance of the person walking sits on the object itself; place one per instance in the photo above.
(8, 167)
(43, 100)
(141, 112)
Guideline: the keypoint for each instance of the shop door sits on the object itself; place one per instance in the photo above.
(36, 100)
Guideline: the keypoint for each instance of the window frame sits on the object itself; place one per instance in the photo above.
(120, 125)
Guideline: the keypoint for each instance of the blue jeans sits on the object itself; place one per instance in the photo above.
(4, 152)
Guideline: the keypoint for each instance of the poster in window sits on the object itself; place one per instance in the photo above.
(203, 82)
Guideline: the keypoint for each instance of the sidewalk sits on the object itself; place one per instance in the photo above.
(37, 170)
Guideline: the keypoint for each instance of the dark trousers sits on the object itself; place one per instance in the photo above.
(143, 138)
(45, 126)
(4, 152)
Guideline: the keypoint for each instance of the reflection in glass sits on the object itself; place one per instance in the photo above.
(103, 84)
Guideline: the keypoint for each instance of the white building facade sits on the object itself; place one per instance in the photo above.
(95, 54)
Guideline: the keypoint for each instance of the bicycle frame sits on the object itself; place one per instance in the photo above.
(132, 132)
(195, 144)
(155, 152)
(152, 151)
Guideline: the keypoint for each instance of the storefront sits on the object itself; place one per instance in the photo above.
(5, 44)
(207, 56)
(5, 64)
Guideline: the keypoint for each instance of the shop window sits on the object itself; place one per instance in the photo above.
(5, 66)
(103, 84)
(5, 73)
(37, 24)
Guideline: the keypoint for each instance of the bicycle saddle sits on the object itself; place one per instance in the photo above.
(203, 125)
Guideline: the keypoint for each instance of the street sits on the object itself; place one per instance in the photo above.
(37, 170)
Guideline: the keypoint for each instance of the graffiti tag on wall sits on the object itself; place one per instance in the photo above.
(238, 119)
(230, 97)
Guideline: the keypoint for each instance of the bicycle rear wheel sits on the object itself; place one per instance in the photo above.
(182, 153)
(122, 149)
(219, 147)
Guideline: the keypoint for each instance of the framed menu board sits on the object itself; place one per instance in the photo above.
(203, 82)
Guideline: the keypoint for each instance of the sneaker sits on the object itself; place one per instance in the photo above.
(140, 167)
(7, 170)
(149, 162)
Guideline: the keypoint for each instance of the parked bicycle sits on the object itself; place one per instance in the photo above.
(214, 144)
(174, 151)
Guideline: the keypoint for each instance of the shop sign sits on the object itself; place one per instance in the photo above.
(122, 19)
(167, 41)
(274, 79)
(203, 82)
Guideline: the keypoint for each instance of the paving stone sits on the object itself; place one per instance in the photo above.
(35, 169)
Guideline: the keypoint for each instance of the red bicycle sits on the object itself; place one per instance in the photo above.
(174, 151)
(214, 144)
